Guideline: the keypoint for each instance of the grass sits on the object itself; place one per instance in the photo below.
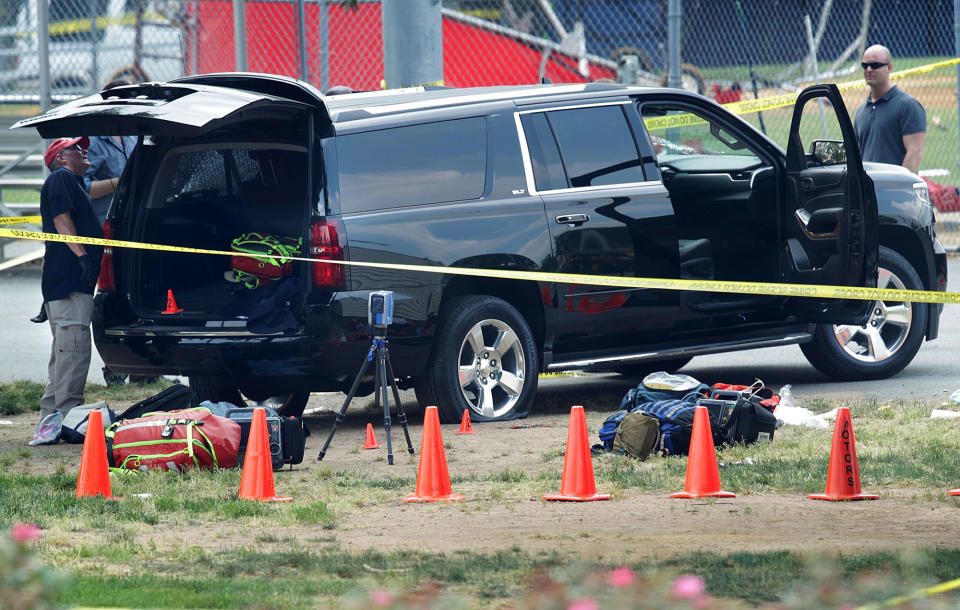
(129, 554)
(24, 396)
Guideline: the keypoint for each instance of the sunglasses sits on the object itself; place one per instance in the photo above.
(75, 148)
(874, 65)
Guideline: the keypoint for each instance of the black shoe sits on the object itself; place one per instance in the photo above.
(41, 317)
(112, 379)
(143, 379)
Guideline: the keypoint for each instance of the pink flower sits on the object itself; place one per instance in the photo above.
(25, 532)
(381, 598)
(584, 603)
(688, 586)
(620, 578)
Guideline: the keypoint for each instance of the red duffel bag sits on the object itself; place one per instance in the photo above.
(174, 440)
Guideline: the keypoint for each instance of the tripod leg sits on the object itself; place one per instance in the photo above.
(382, 376)
(401, 415)
(339, 419)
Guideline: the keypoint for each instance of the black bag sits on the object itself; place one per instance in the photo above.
(174, 398)
(287, 435)
(745, 420)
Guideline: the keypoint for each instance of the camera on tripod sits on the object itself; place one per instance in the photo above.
(380, 309)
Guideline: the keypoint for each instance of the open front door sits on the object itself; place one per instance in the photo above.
(829, 221)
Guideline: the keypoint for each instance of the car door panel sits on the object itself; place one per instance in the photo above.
(829, 220)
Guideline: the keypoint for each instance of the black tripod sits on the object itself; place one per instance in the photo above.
(382, 377)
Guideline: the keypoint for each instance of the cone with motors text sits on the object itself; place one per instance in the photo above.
(371, 442)
(577, 483)
(94, 477)
(433, 478)
(465, 427)
(171, 304)
(256, 480)
(843, 474)
(703, 472)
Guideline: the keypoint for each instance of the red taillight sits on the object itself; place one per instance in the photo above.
(106, 280)
(325, 245)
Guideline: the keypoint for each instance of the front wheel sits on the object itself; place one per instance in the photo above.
(485, 361)
(886, 343)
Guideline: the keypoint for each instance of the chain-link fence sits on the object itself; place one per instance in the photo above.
(731, 50)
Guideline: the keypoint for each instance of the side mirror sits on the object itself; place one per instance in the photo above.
(829, 152)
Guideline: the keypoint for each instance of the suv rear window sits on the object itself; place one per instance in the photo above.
(430, 163)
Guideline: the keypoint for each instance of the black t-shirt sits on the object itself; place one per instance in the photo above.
(63, 192)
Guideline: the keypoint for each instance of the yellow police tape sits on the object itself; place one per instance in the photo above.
(781, 101)
(18, 220)
(902, 599)
(758, 288)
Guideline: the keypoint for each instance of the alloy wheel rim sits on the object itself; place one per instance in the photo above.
(491, 368)
(886, 330)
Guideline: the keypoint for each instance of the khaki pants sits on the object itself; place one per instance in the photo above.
(69, 354)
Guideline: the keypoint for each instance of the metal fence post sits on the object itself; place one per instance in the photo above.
(302, 41)
(412, 42)
(43, 52)
(240, 35)
(324, 46)
(674, 14)
(956, 47)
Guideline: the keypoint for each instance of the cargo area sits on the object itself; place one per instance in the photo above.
(206, 197)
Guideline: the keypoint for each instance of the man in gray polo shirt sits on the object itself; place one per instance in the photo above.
(891, 125)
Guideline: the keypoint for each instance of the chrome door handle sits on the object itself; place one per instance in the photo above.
(574, 220)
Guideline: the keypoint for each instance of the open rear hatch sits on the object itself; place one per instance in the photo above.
(217, 163)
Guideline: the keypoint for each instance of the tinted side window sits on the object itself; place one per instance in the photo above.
(544, 156)
(429, 163)
(597, 146)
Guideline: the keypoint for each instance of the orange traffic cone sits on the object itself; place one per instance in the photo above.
(94, 477)
(954, 492)
(465, 427)
(171, 304)
(256, 480)
(371, 439)
(577, 483)
(703, 473)
(843, 475)
(433, 478)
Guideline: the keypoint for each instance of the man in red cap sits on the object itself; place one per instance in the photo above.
(69, 275)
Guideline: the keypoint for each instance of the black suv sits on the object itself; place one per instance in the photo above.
(584, 179)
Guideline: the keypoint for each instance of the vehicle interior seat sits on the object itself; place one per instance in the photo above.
(696, 260)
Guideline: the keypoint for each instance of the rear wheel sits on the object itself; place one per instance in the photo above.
(886, 343)
(220, 389)
(485, 361)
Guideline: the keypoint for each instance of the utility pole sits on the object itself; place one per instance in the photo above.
(412, 43)
(240, 34)
(674, 13)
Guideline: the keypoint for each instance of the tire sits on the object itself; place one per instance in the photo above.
(639, 370)
(886, 343)
(485, 360)
(219, 389)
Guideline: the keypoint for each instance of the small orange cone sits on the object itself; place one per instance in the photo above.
(171, 304)
(703, 473)
(256, 480)
(371, 439)
(433, 478)
(954, 492)
(577, 483)
(465, 427)
(843, 475)
(94, 477)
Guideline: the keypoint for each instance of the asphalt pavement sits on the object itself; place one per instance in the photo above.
(934, 373)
